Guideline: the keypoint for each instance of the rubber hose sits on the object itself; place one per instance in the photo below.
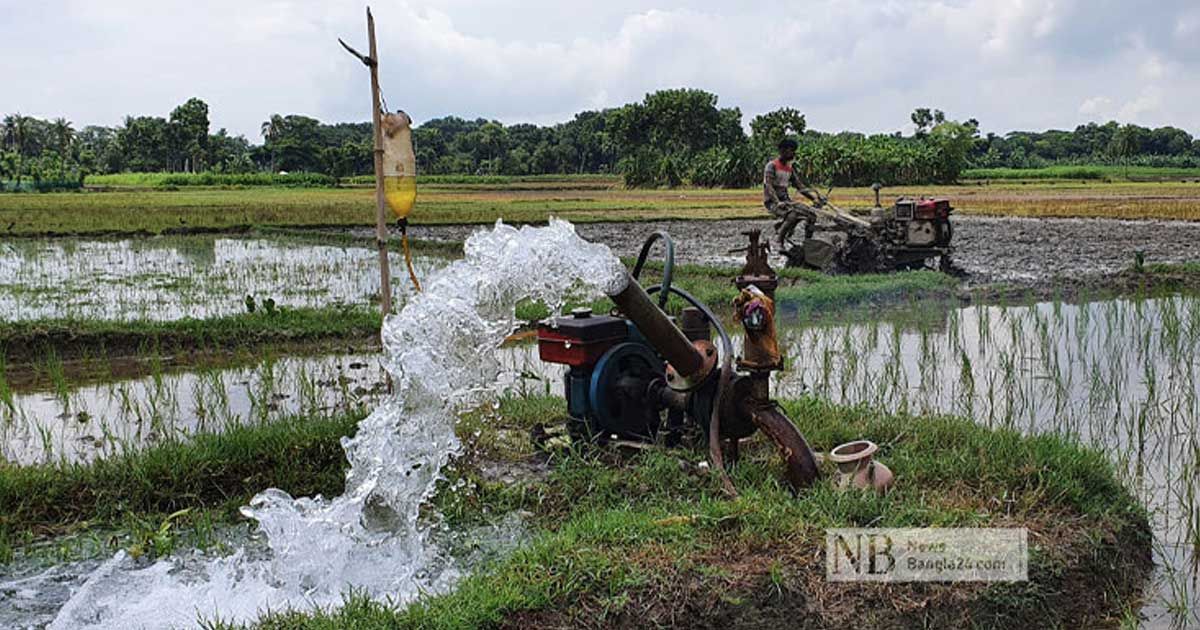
(668, 264)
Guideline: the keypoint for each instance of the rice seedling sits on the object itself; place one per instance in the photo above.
(1116, 374)
(6, 394)
(166, 279)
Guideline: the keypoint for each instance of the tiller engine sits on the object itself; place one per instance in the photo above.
(904, 236)
(629, 368)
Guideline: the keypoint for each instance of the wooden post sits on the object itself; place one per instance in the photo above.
(381, 232)
(371, 60)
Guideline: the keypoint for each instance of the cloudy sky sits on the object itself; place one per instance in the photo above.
(848, 64)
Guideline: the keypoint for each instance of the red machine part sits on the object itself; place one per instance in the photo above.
(932, 209)
(581, 339)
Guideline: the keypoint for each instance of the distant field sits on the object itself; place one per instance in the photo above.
(165, 180)
(1114, 173)
(584, 199)
(168, 180)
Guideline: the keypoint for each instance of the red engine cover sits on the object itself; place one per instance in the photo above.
(580, 340)
(933, 209)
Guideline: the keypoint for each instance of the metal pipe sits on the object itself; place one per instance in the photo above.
(798, 458)
(658, 330)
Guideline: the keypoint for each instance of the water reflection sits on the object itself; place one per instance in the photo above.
(168, 278)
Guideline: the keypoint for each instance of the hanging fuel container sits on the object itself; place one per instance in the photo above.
(399, 164)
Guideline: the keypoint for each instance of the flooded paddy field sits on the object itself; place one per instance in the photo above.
(51, 419)
(1122, 376)
(1117, 374)
(67, 424)
(174, 277)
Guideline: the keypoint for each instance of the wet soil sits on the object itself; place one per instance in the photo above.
(1012, 250)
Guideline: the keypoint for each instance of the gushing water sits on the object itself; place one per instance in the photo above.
(371, 538)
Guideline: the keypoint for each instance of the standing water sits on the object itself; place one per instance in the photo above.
(370, 538)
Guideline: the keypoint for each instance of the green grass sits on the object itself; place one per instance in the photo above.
(1174, 268)
(1131, 173)
(425, 247)
(614, 534)
(621, 538)
(25, 341)
(801, 292)
(218, 471)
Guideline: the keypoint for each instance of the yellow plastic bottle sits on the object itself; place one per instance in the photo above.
(399, 164)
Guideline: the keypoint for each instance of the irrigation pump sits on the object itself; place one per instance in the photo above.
(629, 368)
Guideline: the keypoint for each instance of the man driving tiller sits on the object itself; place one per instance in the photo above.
(777, 176)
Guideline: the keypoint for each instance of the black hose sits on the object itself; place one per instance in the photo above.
(668, 263)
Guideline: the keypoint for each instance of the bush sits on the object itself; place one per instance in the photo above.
(641, 169)
(720, 167)
(41, 185)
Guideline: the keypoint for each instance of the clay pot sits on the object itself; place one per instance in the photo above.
(858, 469)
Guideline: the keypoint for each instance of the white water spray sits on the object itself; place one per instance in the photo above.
(439, 352)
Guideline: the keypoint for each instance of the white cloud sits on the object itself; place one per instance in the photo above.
(1148, 102)
(1187, 27)
(857, 64)
(1096, 106)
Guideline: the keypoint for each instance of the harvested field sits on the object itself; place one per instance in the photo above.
(584, 200)
(1025, 251)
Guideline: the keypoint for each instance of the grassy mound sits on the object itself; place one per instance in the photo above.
(31, 341)
(647, 539)
(630, 540)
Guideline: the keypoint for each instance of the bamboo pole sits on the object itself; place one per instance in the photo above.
(371, 60)
(381, 233)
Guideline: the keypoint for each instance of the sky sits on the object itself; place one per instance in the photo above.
(847, 64)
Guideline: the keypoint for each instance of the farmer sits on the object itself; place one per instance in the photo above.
(777, 176)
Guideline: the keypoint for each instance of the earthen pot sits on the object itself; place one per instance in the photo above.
(858, 469)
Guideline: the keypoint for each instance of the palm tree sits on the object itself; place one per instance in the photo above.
(15, 128)
(64, 134)
(10, 130)
(272, 128)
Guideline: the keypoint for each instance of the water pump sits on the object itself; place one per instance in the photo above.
(630, 367)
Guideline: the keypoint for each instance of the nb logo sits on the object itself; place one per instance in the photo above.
(861, 554)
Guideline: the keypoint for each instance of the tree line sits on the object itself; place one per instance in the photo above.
(669, 138)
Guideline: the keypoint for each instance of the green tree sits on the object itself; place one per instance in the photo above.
(189, 130)
(64, 136)
(293, 143)
(10, 166)
(925, 118)
(143, 140)
(767, 130)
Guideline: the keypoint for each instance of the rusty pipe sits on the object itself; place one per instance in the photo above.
(659, 331)
(798, 458)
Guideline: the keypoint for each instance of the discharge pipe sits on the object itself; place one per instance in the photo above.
(670, 342)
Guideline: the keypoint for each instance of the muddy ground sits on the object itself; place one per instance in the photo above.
(991, 249)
